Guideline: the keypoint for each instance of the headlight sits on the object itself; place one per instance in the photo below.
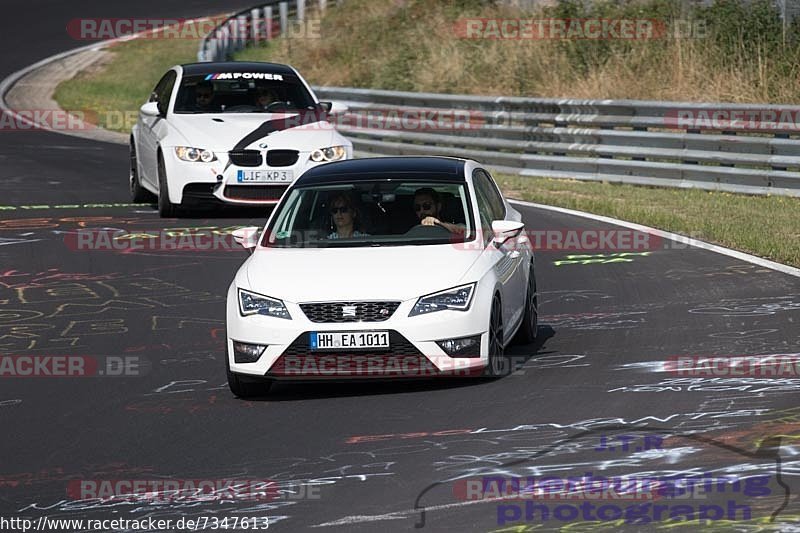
(187, 153)
(457, 299)
(332, 153)
(251, 303)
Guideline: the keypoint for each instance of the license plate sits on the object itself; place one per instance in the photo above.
(349, 340)
(263, 176)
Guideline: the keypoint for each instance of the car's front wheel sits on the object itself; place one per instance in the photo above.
(529, 329)
(139, 194)
(166, 209)
(242, 387)
(498, 364)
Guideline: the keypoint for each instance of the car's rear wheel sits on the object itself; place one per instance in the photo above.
(242, 387)
(166, 209)
(529, 329)
(498, 364)
(139, 194)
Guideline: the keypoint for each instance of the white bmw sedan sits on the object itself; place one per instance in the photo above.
(231, 132)
(381, 268)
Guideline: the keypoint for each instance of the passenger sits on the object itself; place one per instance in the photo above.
(427, 207)
(345, 218)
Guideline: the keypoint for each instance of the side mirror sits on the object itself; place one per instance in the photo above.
(247, 237)
(150, 109)
(504, 230)
(334, 108)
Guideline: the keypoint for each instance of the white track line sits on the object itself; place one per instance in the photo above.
(786, 269)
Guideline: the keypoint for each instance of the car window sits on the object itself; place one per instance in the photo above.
(163, 91)
(484, 212)
(233, 93)
(486, 185)
(371, 213)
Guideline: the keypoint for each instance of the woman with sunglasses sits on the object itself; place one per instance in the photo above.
(345, 218)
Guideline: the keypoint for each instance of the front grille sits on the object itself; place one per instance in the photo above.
(255, 192)
(282, 158)
(364, 311)
(245, 158)
(401, 360)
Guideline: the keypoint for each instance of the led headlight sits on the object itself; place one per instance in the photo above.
(456, 299)
(187, 153)
(251, 303)
(332, 153)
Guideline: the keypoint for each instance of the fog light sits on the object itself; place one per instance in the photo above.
(463, 347)
(247, 353)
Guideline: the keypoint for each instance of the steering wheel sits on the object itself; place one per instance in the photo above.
(276, 105)
(421, 230)
(240, 107)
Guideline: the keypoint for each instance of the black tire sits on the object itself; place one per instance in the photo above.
(166, 209)
(529, 329)
(139, 195)
(244, 388)
(498, 365)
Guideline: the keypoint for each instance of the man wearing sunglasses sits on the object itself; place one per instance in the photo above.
(428, 206)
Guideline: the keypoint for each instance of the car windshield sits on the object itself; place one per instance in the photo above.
(372, 213)
(242, 92)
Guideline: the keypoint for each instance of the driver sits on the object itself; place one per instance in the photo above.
(204, 96)
(266, 96)
(427, 207)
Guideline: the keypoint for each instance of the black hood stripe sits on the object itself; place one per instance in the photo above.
(271, 126)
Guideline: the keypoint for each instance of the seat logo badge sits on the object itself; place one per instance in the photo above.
(348, 311)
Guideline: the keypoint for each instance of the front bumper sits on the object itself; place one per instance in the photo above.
(196, 182)
(414, 352)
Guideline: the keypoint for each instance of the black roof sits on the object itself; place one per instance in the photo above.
(402, 168)
(191, 69)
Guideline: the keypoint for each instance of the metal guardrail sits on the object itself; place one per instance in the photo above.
(743, 148)
(625, 141)
(253, 25)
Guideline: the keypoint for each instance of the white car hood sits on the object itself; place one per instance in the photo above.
(220, 132)
(371, 273)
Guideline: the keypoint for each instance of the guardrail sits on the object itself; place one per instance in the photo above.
(743, 148)
(753, 149)
(253, 25)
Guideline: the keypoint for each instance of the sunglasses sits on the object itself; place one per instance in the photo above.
(335, 210)
(425, 205)
(203, 95)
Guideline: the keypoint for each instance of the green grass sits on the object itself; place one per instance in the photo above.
(766, 226)
(115, 91)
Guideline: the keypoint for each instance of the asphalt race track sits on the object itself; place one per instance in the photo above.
(368, 456)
